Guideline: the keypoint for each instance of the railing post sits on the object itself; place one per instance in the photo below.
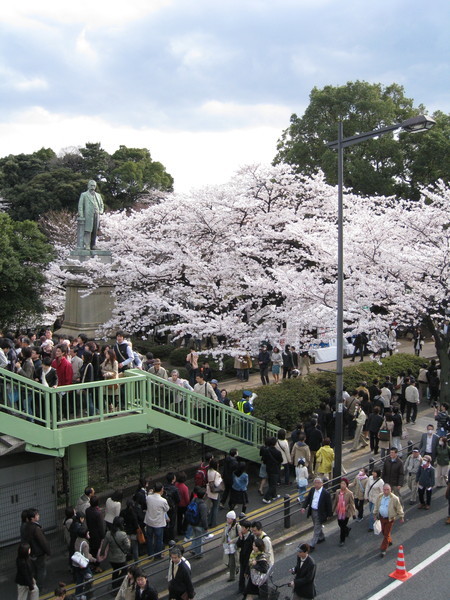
(48, 413)
(54, 410)
(409, 447)
(107, 459)
(371, 465)
(287, 511)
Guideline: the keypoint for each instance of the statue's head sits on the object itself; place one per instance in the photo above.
(92, 185)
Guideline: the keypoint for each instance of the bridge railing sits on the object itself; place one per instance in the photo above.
(211, 415)
(135, 392)
(71, 404)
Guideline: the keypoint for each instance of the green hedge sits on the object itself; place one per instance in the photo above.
(294, 400)
(158, 350)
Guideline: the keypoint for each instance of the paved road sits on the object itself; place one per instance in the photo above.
(356, 572)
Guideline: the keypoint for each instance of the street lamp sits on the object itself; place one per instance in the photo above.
(412, 125)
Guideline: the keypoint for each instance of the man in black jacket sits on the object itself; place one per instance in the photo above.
(229, 466)
(245, 545)
(314, 439)
(144, 589)
(318, 503)
(40, 548)
(272, 458)
(305, 573)
(180, 581)
(173, 498)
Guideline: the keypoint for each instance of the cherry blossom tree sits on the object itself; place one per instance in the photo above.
(256, 259)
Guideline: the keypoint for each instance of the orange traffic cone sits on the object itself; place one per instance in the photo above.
(400, 569)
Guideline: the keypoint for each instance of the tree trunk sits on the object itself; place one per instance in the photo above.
(442, 343)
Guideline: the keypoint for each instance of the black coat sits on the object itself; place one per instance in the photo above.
(229, 465)
(181, 583)
(246, 546)
(148, 593)
(96, 526)
(272, 458)
(304, 578)
(314, 438)
(324, 509)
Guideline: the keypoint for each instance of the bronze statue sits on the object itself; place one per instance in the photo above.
(90, 207)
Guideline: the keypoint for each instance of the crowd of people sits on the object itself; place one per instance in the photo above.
(376, 417)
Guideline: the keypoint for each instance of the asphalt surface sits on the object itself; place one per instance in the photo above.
(356, 571)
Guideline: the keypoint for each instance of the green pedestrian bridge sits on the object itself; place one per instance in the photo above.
(59, 421)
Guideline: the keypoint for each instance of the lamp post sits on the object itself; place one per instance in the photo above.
(413, 125)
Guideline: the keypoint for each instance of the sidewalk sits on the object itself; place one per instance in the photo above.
(404, 347)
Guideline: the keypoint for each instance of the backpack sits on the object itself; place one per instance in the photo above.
(192, 514)
(200, 477)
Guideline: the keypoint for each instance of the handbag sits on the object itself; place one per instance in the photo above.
(384, 435)
(302, 482)
(215, 489)
(377, 527)
(258, 578)
(78, 559)
(229, 548)
(140, 536)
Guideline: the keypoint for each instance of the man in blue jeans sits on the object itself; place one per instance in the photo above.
(155, 520)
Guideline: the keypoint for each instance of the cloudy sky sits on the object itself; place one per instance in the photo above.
(205, 85)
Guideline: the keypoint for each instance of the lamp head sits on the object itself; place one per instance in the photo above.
(417, 124)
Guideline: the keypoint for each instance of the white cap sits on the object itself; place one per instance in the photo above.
(231, 515)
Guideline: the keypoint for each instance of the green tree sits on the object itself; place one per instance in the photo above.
(24, 253)
(133, 174)
(33, 184)
(382, 166)
(48, 191)
(96, 162)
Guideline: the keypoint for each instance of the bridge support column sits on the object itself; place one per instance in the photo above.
(78, 471)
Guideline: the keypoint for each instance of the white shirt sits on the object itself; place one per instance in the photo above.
(316, 498)
(429, 442)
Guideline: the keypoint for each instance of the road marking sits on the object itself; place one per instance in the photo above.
(395, 584)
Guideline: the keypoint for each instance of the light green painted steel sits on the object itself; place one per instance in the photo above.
(78, 470)
(56, 418)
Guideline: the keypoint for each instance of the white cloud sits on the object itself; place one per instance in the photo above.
(251, 114)
(198, 50)
(12, 79)
(192, 158)
(98, 13)
(85, 48)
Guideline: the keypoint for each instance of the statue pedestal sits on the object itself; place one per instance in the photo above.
(86, 313)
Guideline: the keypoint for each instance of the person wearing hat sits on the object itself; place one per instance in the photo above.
(304, 574)
(231, 533)
(301, 477)
(344, 507)
(411, 467)
(426, 481)
(244, 405)
(215, 386)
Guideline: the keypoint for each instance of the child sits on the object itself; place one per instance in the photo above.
(301, 476)
(230, 536)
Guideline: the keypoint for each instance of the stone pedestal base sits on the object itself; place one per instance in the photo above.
(86, 313)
